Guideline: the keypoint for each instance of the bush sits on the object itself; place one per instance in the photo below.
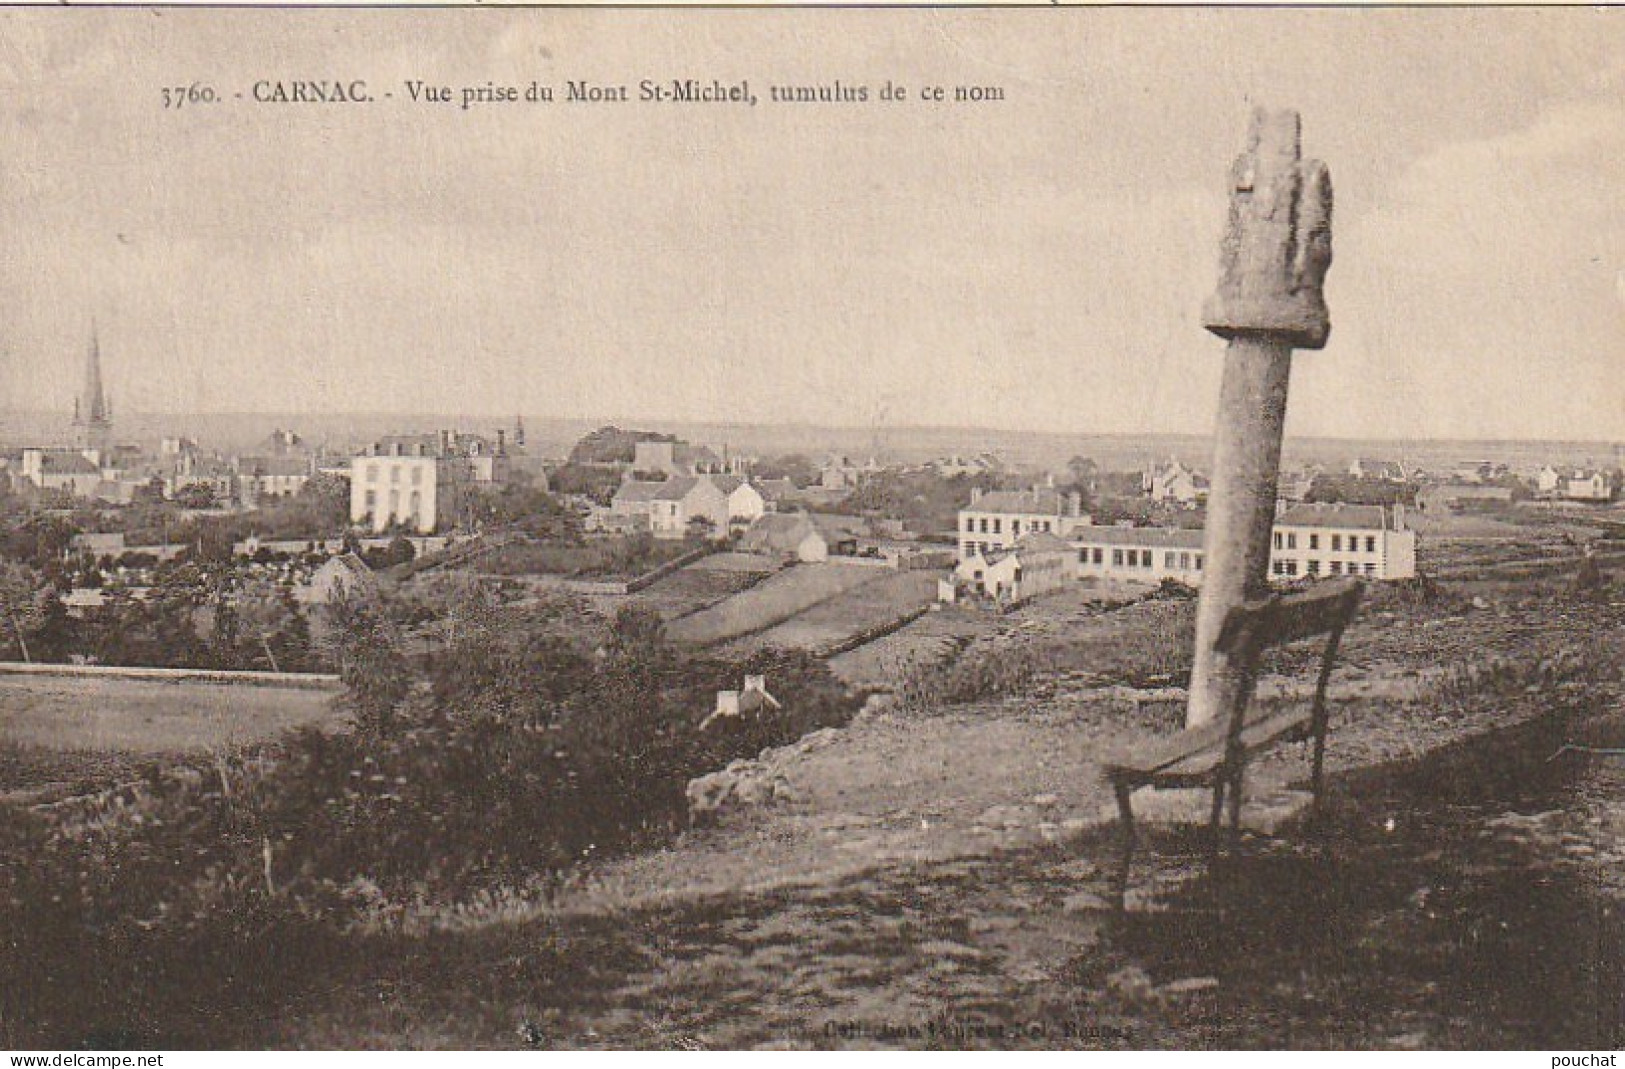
(522, 748)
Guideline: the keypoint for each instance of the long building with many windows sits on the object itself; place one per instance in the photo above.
(1309, 541)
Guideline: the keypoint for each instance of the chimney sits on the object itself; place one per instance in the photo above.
(975, 494)
(1399, 517)
(502, 442)
(1074, 504)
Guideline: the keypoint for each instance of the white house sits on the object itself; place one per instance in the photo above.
(1176, 484)
(1388, 471)
(275, 475)
(414, 492)
(1549, 480)
(72, 470)
(751, 699)
(997, 519)
(679, 502)
(1036, 564)
(789, 535)
(421, 480)
(1370, 541)
(1588, 485)
(345, 575)
(634, 501)
(745, 503)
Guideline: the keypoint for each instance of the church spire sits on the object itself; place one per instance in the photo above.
(92, 418)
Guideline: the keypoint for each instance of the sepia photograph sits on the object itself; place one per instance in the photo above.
(1038, 528)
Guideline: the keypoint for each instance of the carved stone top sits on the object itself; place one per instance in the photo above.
(1278, 243)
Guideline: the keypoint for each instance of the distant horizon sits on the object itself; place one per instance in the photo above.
(410, 421)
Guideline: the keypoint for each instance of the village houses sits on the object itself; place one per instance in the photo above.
(1372, 470)
(1173, 483)
(1035, 564)
(670, 508)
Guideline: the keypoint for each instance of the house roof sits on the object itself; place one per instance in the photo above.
(1445, 491)
(675, 489)
(66, 463)
(638, 490)
(1365, 517)
(726, 483)
(347, 570)
(1042, 501)
(1155, 537)
(1042, 542)
(774, 489)
(276, 464)
(1385, 468)
(834, 525)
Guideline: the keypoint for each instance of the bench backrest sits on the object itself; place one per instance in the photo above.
(1251, 628)
(1282, 619)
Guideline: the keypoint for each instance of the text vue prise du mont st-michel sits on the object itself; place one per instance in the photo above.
(486, 94)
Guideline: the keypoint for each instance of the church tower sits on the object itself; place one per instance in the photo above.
(92, 415)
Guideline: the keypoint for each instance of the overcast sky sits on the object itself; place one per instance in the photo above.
(1037, 263)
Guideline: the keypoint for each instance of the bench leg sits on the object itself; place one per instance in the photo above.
(1235, 806)
(1214, 821)
(1317, 777)
(1125, 828)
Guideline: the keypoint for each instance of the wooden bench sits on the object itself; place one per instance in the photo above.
(1215, 755)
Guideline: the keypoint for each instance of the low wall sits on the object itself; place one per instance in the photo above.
(863, 638)
(654, 575)
(289, 680)
(615, 586)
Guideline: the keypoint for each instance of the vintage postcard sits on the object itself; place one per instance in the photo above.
(813, 528)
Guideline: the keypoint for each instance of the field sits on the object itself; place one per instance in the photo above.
(604, 558)
(704, 583)
(103, 724)
(848, 613)
(772, 601)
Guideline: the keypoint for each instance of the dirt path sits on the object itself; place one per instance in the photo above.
(1465, 898)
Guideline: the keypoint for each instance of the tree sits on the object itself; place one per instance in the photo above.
(637, 628)
(701, 527)
(195, 496)
(270, 630)
(38, 539)
(25, 598)
(793, 466)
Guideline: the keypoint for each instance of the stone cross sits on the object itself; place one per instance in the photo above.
(1273, 260)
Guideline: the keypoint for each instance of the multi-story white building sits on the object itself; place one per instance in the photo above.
(414, 492)
(999, 518)
(420, 481)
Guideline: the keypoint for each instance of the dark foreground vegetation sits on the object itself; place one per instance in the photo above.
(528, 739)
